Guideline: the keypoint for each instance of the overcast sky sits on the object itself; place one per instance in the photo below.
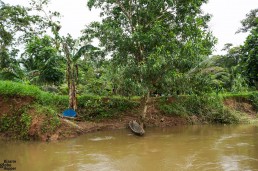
(227, 15)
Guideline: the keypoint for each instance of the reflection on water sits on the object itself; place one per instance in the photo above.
(227, 148)
(101, 138)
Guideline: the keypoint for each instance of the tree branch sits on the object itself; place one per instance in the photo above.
(127, 14)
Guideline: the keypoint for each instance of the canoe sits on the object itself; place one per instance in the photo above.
(136, 128)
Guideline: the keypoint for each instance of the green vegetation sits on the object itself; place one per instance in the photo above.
(94, 107)
(254, 100)
(46, 106)
(25, 124)
(51, 121)
(10, 88)
(16, 125)
(146, 48)
(90, 106)
(207, 108)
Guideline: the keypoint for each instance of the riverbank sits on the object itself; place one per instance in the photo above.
(30, 114)
(22, 118)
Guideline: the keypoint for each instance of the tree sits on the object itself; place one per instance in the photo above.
(73, 54)
(18, 25)
(152, 39)
(250, 22)
(249, 59)
(42, 62)
(14, 21)
(9, 67)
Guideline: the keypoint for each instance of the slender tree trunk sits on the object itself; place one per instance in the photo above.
(71, 79)
(145, 108)
(74, 100)
(70, 86)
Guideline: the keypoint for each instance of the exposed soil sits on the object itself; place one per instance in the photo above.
(154, 118)
(10, 105)
(70, 128)
(241, 105)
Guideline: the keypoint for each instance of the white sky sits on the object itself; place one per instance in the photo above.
(227, 15)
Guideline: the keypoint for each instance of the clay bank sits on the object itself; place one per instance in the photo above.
(30, 114)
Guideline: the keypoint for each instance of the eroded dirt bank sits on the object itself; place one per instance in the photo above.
(40, 124)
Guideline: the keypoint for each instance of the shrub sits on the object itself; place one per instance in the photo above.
(226, 116)
(6, 122)
(16, 124)
(91, 107)
(51, 121)
(209, 108)
(25, 121)
(19, 89)
(254, 100)
(173, 109)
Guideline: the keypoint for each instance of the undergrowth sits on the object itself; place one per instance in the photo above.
(254, 99)
(207, 108)
(16, 126)
(93, 107)
(50, 121)
(89, 107)
(19, 89)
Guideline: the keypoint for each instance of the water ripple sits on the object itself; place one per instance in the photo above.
(101, 138)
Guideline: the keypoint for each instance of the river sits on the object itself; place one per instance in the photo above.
(209, 147)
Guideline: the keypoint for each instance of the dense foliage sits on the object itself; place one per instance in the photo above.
(146, 48)
(209, 109)
(151, 42)
(89, 107)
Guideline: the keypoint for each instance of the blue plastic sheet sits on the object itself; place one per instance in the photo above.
(69, 113)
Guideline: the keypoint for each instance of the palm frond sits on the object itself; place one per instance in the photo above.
(83, 50)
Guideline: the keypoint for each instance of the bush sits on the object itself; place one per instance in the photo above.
(208, 108)
(173, 109)
(226, 116)
(254, 100)
(51, 121)
(6, 123)
(13, 88)
(17, 125)
(19, 89)
(91, 107)
(25, 121)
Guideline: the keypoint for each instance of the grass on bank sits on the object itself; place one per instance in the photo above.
(89, 107)
(209, 108)
(46, 106)
(10, 88)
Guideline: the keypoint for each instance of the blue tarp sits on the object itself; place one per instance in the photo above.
(69, 113)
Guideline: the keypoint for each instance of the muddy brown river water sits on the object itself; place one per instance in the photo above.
(195, 148)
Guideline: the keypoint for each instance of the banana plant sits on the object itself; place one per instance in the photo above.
(72, 69)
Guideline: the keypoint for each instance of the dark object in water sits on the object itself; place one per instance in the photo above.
(136, 128)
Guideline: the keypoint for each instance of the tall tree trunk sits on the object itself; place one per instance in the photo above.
(70, 85)
(145, 108)
(74, 100)
(71, 79)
